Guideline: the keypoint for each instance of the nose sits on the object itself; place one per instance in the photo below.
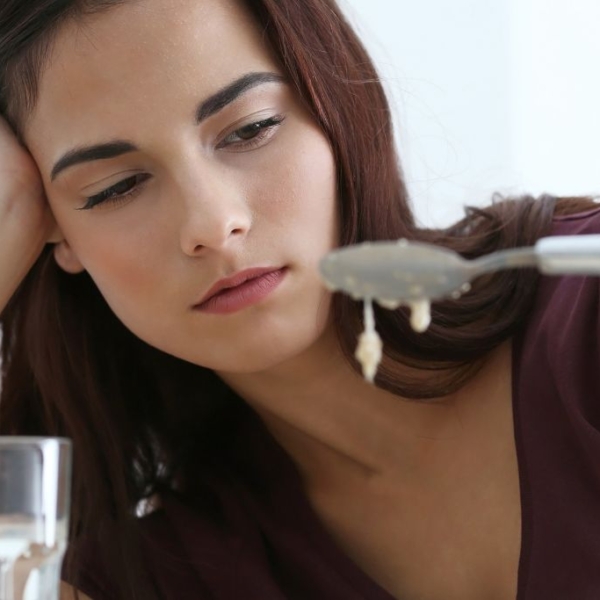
(216, 214)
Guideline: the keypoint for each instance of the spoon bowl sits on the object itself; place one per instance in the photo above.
(402, 272)
(392, 272)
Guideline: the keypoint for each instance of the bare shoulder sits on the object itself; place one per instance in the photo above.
(67, 592)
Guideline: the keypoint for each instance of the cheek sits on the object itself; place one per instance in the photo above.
(122, 255)
(120, 272)
(301, 191)
(134, 283)
(126, 282)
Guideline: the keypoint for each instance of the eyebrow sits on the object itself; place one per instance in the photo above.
(218, 101)
(207, 108)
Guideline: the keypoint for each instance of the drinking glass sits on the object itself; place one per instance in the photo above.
(35, 492)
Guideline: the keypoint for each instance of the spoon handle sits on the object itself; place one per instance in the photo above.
(569, 254)
(511, 258)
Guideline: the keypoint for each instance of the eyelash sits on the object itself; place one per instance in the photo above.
(133, 185)
(130, 185)
(263, 130)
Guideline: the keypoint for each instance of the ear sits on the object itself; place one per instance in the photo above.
(66, 258)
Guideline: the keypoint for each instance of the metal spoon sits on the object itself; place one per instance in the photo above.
(403, 272)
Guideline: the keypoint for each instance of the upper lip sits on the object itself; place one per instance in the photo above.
(235, 280)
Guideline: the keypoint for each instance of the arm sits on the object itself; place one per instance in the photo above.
(67, 592)
(26, 222)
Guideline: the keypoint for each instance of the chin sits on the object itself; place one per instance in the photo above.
(250, 363)
(266, 356)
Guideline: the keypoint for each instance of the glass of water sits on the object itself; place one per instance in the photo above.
(35, 492)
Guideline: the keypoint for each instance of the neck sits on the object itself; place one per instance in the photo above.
(331, 422)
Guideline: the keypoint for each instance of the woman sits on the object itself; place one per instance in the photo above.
(184, 166)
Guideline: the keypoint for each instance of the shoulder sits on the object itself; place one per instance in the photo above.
(190, 542)
(567, 306)
(578, 223)
(560, 347)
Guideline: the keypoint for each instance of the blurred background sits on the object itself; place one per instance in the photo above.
(488, 96)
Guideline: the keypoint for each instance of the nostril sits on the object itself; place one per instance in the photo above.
(237, 231)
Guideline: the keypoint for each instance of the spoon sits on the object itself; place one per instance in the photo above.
(402, 272)
(414, 274)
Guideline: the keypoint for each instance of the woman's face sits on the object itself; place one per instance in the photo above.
(174, 155)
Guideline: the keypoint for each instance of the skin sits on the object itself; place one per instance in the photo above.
(382, 474)
(205, 212)
(26, 222)
(67, 592)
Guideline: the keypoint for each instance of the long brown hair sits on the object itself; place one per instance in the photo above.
(141, 419)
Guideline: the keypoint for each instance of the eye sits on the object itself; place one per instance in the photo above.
(252, 135)
(123, 190)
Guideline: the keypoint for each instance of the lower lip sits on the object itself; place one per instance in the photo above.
(246, 294)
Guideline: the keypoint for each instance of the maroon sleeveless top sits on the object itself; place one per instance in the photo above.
(270, 545)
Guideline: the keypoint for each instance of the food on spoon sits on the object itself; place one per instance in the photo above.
(420, 316)
(362, 271)
(369, 349)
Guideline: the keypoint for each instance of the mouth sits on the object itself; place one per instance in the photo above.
(241, 290)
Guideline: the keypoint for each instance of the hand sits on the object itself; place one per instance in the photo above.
(26, 222)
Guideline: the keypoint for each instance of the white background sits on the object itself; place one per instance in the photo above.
(488, 95)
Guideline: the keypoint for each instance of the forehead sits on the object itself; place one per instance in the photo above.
(141, 59)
